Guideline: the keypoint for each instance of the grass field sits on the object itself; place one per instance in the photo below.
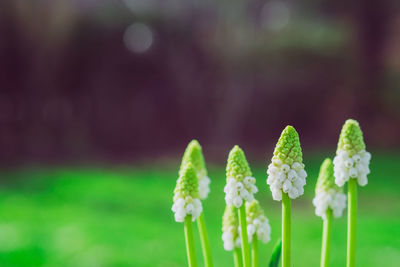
(122, 216)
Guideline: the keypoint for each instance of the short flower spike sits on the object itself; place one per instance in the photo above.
(286, 172)
(194, 155)
(327, 194)
(352, 160)
(257, 222)
(240, 185)
(186, 194)
(230, 228)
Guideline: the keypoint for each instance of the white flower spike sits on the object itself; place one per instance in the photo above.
(194, 154)
(352, 160)
(327, 194)
(286, 172)
(240, 185)
(186, 195)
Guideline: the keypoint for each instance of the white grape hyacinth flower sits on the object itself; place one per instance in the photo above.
(187, 206)
(356, 167)
(259, 226)
(186, 195)
(332, 199)
(286, 178)
(237, 192)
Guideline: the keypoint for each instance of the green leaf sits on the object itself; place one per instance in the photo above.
(276, 255)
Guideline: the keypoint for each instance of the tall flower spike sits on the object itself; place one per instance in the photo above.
(240, 185)
(230, 228)
(327, 194)
(257, 222)
(186, 194)
(286, 172)
(352, 160)
(194, 154)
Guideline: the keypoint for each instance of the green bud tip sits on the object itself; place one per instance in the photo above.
(253, 209)
(351, 138)
(326, 178)
(194, 155)
(237, 166)
(288, 148)
(187, 183)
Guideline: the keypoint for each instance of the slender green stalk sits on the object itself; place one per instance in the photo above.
(286, 225)
(237, 257)
(190, 251)
(243, 233)
(254, 252)
(351, 222)
(326, 239)
(205, 244)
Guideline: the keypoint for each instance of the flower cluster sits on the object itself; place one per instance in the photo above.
(356, 167)
(286, 172)
(230, 229)
(240, 185)
(194, 155)
(186, 195)
(236, 191)
(329, 199)
(327, 194)
(257, 222)
(352, 160)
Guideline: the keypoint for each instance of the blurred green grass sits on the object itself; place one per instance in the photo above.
(120, 216)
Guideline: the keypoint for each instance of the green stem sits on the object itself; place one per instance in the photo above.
(285, 230)
(254, 251)
(190, 251)
(237, 257)
(205, 244)
(243, 232)
(326, 239)
(351, 222)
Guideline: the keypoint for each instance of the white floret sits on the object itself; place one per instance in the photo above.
(236, 192)
(356, 167)
(260, 227)
(330, 199)
(289, 179)
(188, 206)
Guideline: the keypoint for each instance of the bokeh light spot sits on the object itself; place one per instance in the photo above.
(138, 37)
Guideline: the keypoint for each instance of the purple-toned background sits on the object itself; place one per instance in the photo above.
(137, 79)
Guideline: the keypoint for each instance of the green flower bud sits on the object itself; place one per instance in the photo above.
(326, 178)
(351, 138)
(187, 183)
(237, 166)
(288, 148)
(194, 155)
(253, 210)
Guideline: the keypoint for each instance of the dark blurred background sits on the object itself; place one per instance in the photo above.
(94, 80)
